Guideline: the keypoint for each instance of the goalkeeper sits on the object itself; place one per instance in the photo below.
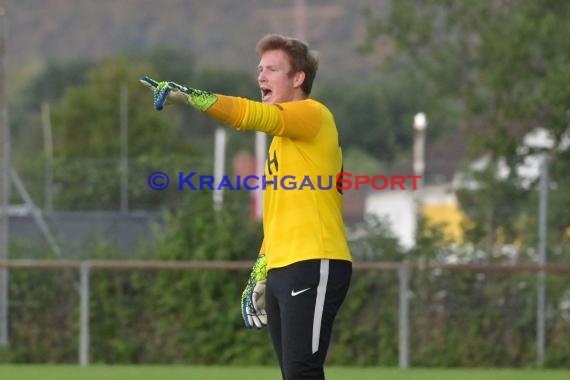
(303, 270)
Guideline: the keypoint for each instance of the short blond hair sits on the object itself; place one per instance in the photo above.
(300, 57)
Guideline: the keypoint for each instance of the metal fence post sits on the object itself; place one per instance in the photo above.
(84, 270)
(542, 259)
(404, 316)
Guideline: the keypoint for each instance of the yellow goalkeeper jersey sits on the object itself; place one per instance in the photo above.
(302, 213)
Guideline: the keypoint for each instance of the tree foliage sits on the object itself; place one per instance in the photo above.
(85, 101)
(502, 63)
(497, 71)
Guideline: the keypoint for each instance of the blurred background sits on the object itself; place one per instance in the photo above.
(473, 96)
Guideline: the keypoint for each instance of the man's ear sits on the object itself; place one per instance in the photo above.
(299, 78)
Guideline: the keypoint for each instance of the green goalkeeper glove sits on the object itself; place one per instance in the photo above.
(169, 92)
(253, 297)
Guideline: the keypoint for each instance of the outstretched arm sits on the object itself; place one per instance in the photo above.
(301, 119)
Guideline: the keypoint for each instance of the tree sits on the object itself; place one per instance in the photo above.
(86, 127)
(85, 100)
(496, 70)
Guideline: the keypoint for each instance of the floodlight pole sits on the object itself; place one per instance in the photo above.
(419, 165)
(420, 125)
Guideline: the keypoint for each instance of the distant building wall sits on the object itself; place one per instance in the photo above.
(398, 208)
(439, 206)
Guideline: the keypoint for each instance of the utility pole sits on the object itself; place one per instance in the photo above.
(4, 183)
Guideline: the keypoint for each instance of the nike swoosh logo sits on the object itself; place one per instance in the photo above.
(294, 293)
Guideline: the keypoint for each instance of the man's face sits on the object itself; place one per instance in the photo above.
(276, 81)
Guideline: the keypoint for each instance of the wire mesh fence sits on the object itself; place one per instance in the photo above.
(188, 312)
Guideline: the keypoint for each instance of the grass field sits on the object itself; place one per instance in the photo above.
(52, 372)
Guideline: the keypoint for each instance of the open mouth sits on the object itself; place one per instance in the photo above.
(265, 93)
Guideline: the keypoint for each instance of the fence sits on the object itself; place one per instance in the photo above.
(405, 273)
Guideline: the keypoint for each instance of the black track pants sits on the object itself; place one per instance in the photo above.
(302, 300)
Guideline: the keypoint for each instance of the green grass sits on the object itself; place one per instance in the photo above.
(53, 372)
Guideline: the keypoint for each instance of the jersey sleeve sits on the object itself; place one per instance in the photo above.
(299, 120)
(262, 248)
